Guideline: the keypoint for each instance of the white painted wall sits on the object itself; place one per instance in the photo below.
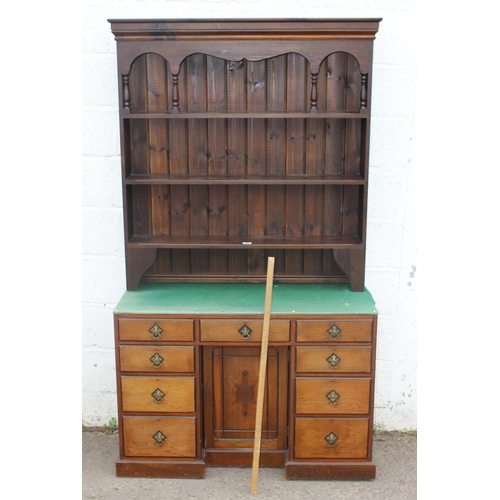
(391, 254)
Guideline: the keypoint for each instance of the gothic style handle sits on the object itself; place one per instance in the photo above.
(245, 332)
(156, 360)
(332, 397)
(333, 361)
(334, 332)
(156, 331)
(159, 438)
(331, 439)
(158, 396)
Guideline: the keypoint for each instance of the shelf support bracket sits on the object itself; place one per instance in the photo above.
(139, 260)
(352, 263)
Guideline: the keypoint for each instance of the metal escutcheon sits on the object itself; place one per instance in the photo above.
(156, 331)
(333, 361)
(331, 439)
(334, 332)
(159, 438)
(156, 360)
(245, 332)
(332, 397)
(158, 396)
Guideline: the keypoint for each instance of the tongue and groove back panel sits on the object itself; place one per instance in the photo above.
(252, 153)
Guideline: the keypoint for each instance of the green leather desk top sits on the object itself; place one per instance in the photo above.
(245, 298)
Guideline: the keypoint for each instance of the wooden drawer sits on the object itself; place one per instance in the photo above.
(332, 396)
(156, 330)
(334, 359)
(334, 330)
(145, 394)
(157, 359)
(333, 438)
(159, 436)
(238, 330)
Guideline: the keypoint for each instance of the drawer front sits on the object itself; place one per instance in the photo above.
(334, 359)
(238, 330)
(159, 436)
(334, 331)
(157, 359)
(156, 330)
(160, 394)
(332, 396)
(333, 438)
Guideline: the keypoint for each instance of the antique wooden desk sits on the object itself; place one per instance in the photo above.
(187, 359)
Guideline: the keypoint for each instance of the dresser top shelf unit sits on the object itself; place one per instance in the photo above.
(242, 139)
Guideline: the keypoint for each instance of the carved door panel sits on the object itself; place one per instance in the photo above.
(231, 379)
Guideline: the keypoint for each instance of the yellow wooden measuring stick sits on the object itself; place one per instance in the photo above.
(262, 374)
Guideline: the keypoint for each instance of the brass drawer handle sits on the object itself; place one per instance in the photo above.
(156, 360)
(332, 397)
(159, 438)
(245, 332)
(158, 396)
(334, 332)
(331, 439)
(333, 361)
(156, 331)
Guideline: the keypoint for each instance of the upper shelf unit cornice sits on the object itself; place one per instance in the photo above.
(315, 40)
(267, 29)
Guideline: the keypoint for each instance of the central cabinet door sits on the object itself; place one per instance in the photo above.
(230, 381)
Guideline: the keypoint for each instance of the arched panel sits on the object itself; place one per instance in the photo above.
(150, 84)
(339, 83)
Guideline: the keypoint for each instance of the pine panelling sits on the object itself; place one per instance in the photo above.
(179, 195)
(276, 154)
(297, 100)
(236, 161)
(352, 147)
(256, 162)
(217, 161)
(157, 98)
(219, 147)
(196, 92)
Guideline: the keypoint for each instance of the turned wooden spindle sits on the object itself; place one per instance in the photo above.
(314, 93)
(126, 93)
(175, 93)
(364, 89)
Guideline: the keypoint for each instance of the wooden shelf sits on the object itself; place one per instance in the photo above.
(244, 242)
(364, 113)
(293, 179)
